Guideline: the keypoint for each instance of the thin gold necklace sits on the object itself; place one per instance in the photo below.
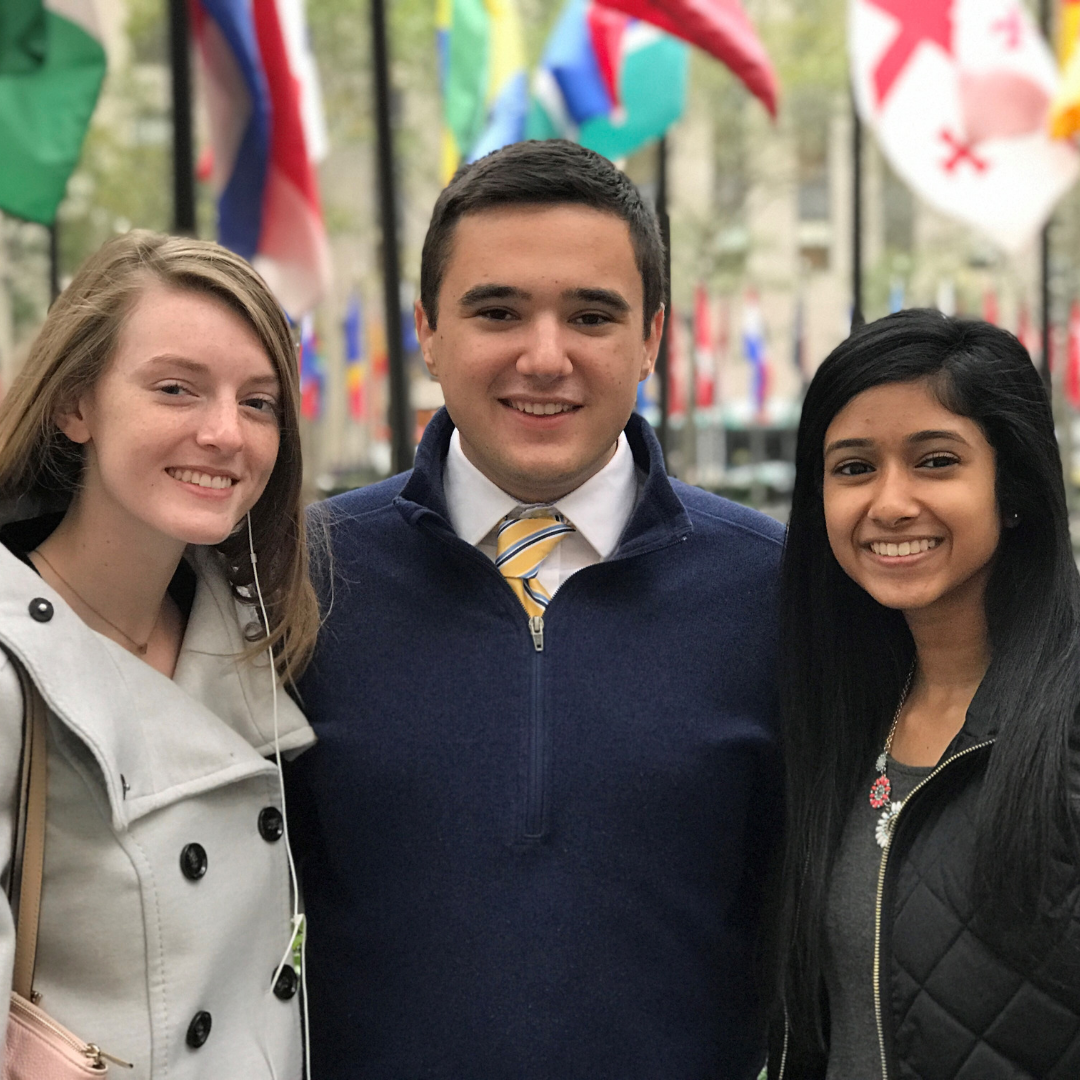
(136, 647)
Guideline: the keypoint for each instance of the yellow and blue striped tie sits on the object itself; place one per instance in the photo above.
(521, 547)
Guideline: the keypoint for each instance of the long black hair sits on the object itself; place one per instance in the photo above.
(845, 657)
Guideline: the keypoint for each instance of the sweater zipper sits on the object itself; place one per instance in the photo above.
(878, 1011)
(534, 789)
(533, 818)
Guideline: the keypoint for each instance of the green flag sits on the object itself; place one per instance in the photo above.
(45, 111)
(569, 102)
(653, 89)
(22, 36)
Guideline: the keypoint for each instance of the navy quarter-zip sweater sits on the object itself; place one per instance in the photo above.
(525, 863)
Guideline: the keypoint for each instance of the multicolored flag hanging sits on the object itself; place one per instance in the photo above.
(259, 91)
(722, 29)
(355, 375)
(607, 81)
(754, 349)
(485, 90)
(52, 64)
(311, 371)
(958, 93)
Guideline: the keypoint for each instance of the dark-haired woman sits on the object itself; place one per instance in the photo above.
(931, 682)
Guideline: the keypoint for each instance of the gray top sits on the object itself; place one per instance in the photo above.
(854, 1052)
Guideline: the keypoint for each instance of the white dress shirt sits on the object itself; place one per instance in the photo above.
(599, 510)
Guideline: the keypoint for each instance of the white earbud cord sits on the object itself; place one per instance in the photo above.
(298, 922)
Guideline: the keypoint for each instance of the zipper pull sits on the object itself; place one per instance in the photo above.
(95, 1054)
(536, 628)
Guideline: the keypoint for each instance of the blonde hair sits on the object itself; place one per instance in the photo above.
(73, 348)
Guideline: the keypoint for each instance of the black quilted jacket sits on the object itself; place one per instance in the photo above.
(956, 1001)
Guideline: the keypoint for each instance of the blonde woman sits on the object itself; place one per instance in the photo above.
(148, 448)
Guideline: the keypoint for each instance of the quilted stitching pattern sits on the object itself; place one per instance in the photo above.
(967, 1007)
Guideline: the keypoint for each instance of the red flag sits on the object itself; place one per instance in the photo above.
(705, 380)
(676, 368)
(1072, 371)
(1027, 334)
(990, 307)
(721, 28)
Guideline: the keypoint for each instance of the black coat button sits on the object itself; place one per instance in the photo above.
(287, 983)
(271, 824)
(193, 863)
(41, 610)
(199, 1029)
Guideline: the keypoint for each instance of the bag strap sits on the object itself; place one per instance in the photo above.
(32, 817)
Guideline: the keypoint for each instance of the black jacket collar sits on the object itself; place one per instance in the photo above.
(658, 518)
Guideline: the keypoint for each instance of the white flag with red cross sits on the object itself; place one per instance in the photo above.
(958, 93)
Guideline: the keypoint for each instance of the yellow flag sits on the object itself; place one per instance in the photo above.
(1065, 110)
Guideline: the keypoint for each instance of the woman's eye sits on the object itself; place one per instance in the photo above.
(266, 405)
(172, 389)
(853, 468)
(940, 461)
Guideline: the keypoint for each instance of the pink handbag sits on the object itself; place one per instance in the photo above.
(37, 1047)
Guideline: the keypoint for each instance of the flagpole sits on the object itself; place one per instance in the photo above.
(54, 262)
(401, 442)
(662, 365)
(857, 317)
(183, 148)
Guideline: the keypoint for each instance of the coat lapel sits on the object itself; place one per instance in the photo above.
(155, 740)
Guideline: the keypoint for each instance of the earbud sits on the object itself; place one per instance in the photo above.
(297, 922)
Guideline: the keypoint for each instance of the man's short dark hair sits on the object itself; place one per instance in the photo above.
(549, 172)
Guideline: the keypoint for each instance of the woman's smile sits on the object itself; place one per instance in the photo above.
(902, 549)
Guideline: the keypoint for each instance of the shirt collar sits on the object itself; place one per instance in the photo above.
(599, 509)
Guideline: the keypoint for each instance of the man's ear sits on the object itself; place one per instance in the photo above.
(425, 332)
(652, 345)
(71, 420)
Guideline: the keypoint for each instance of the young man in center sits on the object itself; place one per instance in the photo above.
(534, 830)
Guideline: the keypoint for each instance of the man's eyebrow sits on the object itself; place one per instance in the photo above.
(481, 294)
(607, 297)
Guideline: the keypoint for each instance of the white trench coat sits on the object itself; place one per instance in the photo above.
(131, 949)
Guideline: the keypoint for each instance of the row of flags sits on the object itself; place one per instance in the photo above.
(700, 362)
(366, 361)
(965, 97)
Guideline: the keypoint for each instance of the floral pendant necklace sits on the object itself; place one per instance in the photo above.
(881, 788)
